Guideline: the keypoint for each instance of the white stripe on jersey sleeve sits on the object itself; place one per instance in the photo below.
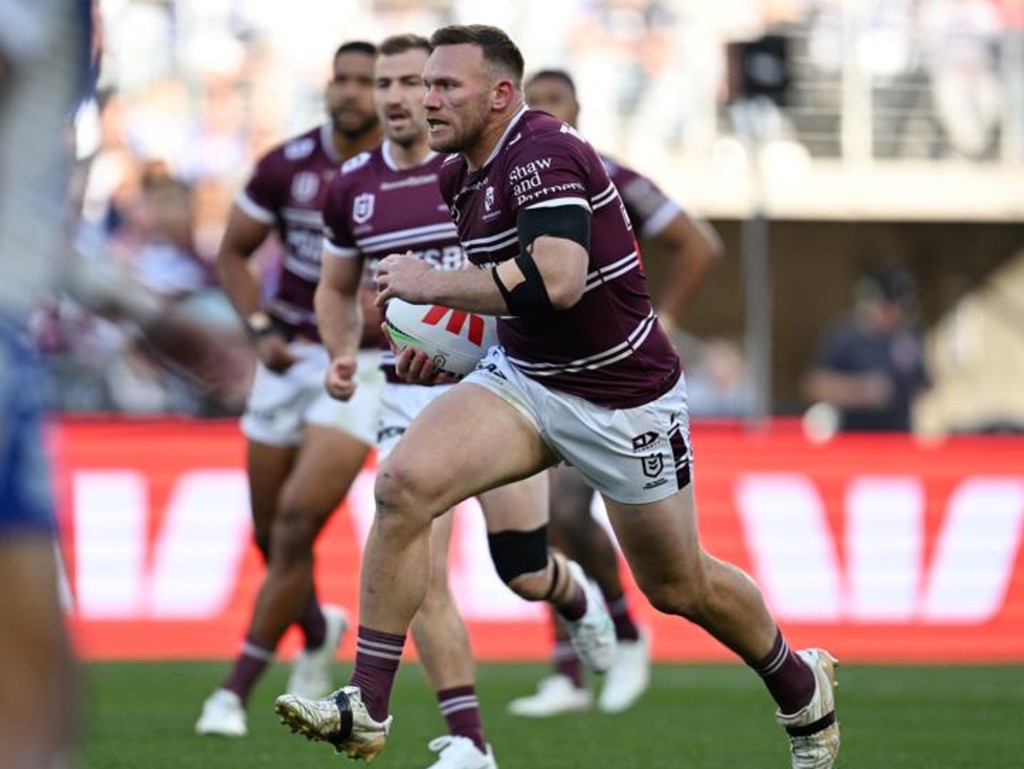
(254, 209)
(490, 238)
(345, 253)
(559, 202)
(660, 219)
(604, 198)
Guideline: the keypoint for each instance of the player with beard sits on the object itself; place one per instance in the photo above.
(304, 448)
(584, 374)
(692, 249)
(383, 200)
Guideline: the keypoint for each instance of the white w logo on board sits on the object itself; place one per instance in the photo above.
(890, 570)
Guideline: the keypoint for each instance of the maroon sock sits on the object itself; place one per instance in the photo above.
(625, 628)
(461, 712)
(313, 624)
(788, 678)
(568, 664)
(249, 666)
(577, 605)
(378, 656)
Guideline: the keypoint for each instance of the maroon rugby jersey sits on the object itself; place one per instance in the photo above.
(649, 209)
(608, 347)
(286, 191)
(374, 209)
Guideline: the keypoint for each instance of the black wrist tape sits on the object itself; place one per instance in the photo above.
(530, 297)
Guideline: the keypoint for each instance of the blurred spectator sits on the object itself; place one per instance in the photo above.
(870, 365)
(718, 382)
(961, 40)
(104, 364)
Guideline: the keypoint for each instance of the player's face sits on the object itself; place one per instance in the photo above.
(458, 99)
(553, 95)
(398, 93)
(350, 95)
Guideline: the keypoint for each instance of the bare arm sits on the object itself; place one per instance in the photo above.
(562, 264)
(338, 308)
(694, 248)
(243, 236)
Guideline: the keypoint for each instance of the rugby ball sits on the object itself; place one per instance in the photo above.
(455, 340)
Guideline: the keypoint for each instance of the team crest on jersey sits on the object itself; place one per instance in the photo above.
(362, 208)
(653, 464)
(305, 186)
(489, 198)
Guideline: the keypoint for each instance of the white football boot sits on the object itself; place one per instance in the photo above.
(223, 715)
(813, 730)
(593, 634)
(458, 752)
(311, 670)
(340, 719)
(555, 695)
(628, 677)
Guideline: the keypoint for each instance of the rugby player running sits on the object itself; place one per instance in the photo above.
(304, 448)
(384, 200)
(692, 248)
(584, 374)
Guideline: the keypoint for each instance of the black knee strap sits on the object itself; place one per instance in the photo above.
(519, 552)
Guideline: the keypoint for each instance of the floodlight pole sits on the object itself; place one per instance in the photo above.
(753, 117)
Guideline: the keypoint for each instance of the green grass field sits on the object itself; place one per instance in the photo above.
(140, 716)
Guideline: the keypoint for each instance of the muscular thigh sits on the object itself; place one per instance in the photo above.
(328, 462)
(659, 539)
(268, 468)
(464, 443)
(519, 506)
(571, 496)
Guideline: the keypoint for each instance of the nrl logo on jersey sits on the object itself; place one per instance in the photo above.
(362, 208)
(305, 186)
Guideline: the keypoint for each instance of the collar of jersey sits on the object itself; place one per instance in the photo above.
(501, 142)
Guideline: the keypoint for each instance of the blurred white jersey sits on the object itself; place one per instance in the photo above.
(43, 50)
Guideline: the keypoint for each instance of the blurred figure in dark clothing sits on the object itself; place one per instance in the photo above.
(870, 365)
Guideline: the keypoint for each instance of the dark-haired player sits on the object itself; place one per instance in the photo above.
(584, 374)
(304, 448)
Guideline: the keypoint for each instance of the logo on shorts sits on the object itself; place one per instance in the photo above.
(641, 442)
(362, 208)
(653, 464)
(492, 369)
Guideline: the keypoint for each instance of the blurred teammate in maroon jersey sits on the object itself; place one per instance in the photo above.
(304, 448)
(692, 248)
(584, 374)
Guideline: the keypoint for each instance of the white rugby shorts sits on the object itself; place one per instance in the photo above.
(632, 456)
(279, 405)
(399, 405)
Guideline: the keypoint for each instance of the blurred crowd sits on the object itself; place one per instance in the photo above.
(192, 91)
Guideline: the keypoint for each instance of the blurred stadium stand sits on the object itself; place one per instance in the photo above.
(900, 141)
